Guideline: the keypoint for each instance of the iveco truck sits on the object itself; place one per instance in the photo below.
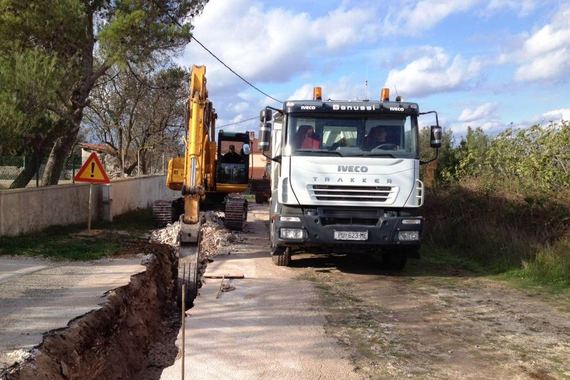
(345, 176)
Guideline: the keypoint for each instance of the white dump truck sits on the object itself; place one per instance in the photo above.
(345, 176)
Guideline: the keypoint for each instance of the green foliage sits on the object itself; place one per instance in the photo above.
(527, 161)
(30, 79)
(140, 28)
(82, 39)
(447, 162)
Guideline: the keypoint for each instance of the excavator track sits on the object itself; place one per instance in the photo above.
(235, 212)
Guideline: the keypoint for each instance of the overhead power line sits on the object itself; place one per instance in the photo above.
(238, 122)
(236, 74)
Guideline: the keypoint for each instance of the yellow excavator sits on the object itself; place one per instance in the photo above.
(208, 169)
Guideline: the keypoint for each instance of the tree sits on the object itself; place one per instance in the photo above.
(444, 169)
(30, 79)
(88, 37)
(138, 111)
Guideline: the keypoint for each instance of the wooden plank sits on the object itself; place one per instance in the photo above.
(227, 275)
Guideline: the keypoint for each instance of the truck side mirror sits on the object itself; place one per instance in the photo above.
(265, 115)
(264, 136)
(435, 136)
(246, 149)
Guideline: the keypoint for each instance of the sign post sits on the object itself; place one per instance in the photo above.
(92, 171)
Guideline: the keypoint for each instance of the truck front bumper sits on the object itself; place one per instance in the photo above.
(353, 228)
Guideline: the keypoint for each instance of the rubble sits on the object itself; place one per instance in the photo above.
(215, 237)
(167, 235)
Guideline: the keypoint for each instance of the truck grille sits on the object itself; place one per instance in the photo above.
(383, 194)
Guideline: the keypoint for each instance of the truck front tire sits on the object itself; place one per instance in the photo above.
(281, 256)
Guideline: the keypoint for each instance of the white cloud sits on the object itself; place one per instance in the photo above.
(482, 116)
(272, 45)
(345, 88)
(423, 15)
(545, 54)
(484, 111)
(413, 17)
(522, 7)
(433, 73)
(303, 92)
(557, 115)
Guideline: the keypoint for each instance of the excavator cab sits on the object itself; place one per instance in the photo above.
(232, 169)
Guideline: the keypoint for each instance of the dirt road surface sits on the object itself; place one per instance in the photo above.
(38, 295)
(269, 327)
(439, 326)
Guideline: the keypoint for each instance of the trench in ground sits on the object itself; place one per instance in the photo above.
(131, 336)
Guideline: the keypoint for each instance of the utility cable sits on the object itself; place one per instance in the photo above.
(237, 122)
(236, 74)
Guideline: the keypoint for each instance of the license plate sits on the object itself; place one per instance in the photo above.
(351, 235)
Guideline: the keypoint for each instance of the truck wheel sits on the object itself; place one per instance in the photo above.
(394, 260)
(281, 256)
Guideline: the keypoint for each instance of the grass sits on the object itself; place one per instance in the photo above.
(550, 268)
(63, 243)
(507, 236)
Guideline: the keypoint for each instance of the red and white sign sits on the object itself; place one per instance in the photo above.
(92, 171)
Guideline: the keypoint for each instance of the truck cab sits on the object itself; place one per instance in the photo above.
(345, 175)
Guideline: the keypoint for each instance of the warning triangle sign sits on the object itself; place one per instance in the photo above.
(92, 171)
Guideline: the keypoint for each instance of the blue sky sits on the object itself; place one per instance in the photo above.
(479, 63)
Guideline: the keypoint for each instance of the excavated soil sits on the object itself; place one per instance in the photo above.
(131, 336)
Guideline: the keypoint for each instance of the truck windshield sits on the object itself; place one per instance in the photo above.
(378, 135)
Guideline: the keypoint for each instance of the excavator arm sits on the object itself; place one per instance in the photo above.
(193, 175)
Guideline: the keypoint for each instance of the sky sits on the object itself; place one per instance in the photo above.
(481, 63)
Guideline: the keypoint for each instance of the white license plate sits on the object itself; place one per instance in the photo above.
(351, 235)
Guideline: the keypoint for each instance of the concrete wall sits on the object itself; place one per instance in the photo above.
(33, 209)
(132, 193)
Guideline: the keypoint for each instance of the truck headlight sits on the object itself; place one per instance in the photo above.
(289, 219)
(409, 235)
(291, 233)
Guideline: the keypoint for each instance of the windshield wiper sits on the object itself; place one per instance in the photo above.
(378, 154)
(318, 152)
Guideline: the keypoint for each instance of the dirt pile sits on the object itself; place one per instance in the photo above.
(128, 337)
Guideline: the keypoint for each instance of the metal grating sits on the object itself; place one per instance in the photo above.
(380, 194)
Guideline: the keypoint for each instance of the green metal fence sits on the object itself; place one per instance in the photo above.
(11, 167)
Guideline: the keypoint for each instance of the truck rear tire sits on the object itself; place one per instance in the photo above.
(281, 256)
